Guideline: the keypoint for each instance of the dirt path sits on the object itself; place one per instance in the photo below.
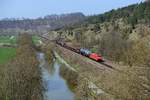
(8, 45)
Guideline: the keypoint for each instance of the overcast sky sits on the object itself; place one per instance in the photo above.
(40, 8)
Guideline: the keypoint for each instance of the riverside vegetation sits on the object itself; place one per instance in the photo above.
(20, 78)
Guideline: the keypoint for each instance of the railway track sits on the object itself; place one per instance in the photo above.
(104, 63)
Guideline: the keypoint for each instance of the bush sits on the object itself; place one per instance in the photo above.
(21, 78)
(112, 45)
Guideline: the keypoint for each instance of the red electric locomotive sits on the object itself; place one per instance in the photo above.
(96, 57)
(91, 55)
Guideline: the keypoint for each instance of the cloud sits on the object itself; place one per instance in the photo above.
(147, 0)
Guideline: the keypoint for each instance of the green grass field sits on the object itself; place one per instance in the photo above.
(6, 54)
(35, 39)
(13, 39)
(8, 39)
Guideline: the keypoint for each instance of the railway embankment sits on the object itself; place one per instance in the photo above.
(112, 84)
(84, 86)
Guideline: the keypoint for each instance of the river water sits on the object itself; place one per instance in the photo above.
(55, 87)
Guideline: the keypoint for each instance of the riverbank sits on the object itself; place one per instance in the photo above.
(20, 78)
(55, 87)
(83, 87)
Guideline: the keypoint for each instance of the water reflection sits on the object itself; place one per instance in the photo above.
(55, 86)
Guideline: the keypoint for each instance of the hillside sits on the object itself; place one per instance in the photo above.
(131, 14)
(122, 27)
(49, 22)
(122, 36)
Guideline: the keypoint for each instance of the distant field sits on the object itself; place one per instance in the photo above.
(8, 39)
(13, 39)
(6, 54)
(36, 39)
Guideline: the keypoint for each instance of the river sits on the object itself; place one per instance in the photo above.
(55, 87)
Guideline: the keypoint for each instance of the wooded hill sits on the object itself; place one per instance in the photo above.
(131, 14)
(122, 36)
(49, 22)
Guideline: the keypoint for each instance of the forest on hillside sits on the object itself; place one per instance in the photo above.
(131, 14)
(39, 25)
(115, 32)
(121, 35)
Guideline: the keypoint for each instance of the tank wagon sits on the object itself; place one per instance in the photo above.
(85, 52)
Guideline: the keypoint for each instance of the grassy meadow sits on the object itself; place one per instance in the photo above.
(35, 39)
(8, 39)
(6, 54)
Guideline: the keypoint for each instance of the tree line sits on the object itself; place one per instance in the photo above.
(131, 14)
(49, 22)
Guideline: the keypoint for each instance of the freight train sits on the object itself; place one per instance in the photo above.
(83, 51)
(86, 52)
